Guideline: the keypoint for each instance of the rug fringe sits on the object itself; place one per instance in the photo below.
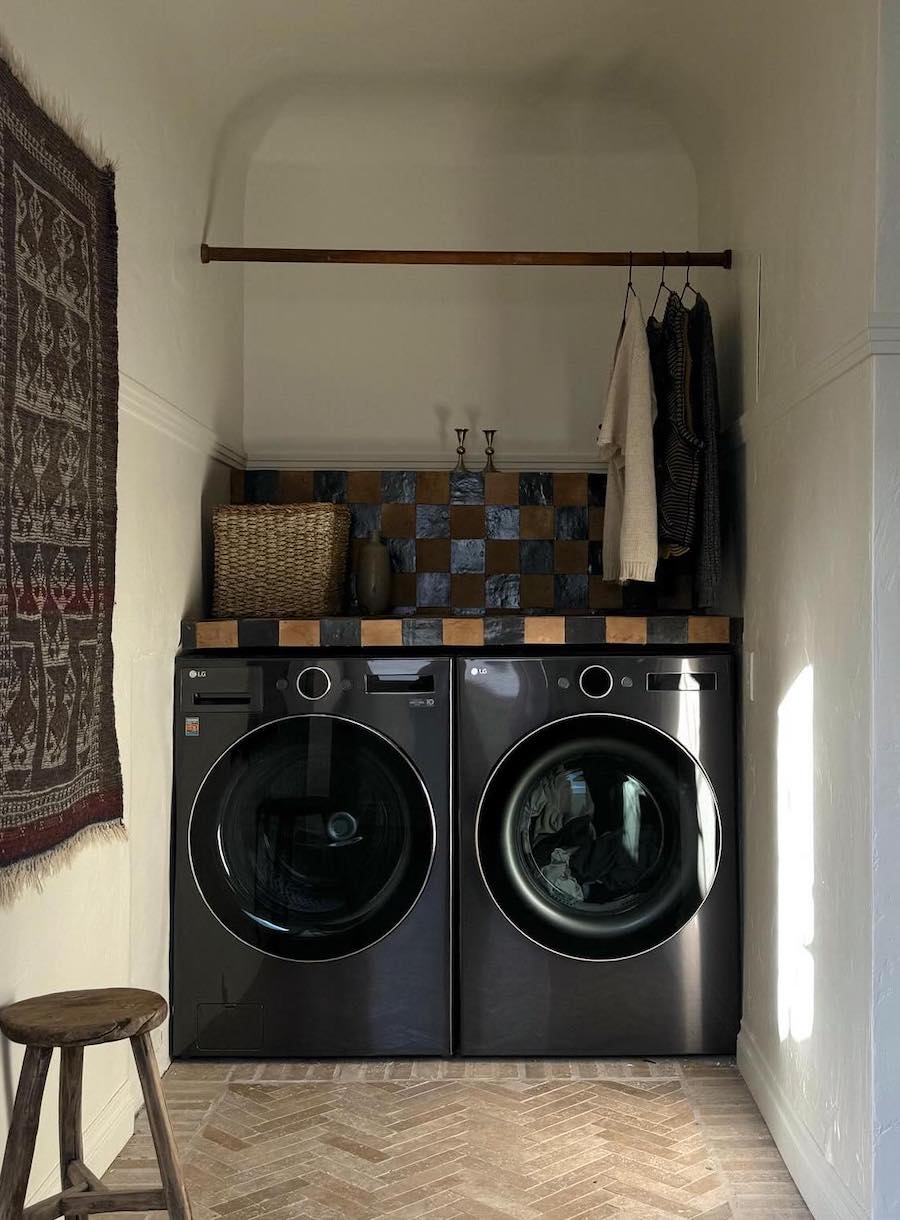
(33, 872)
(56, 108)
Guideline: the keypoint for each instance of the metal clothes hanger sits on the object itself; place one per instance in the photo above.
(662, 285)
(687, 285)
(630, 289)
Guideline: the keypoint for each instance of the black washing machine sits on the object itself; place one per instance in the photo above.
(311, 909)
(598, 856)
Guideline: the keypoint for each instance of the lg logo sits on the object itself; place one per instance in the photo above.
(477, 671)
(197, 673)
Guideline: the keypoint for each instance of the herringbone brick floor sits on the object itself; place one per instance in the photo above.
(476, 1140)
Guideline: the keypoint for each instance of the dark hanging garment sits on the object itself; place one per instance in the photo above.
(705, 399)
(677, 446)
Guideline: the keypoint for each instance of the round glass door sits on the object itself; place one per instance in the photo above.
(598, 837)
(312, 838)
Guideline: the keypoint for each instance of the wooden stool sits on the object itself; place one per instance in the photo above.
(73, 1020)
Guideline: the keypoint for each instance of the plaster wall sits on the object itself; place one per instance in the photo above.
(367, 365)
(104, 919)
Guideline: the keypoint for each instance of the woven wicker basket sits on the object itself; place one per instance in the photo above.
(280, 560)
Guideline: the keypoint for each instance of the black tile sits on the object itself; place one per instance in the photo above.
(501, 592)
(339, 633)
(595, 558)
(467, 555)
(432, 521)
(596, 490)
(364, 519)
(571, 523)
(535, 488)
(330, 486)
(258, 633)
(433, 589)
(570, 592)
(536, 556)
(504, 629)
(667, 629)
(260, 486)
(422, 631)
(501, 521)
(586, 629)
(398, 486)
(403, 554)
(466, 487)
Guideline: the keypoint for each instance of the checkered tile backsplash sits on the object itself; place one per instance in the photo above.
(469, 543)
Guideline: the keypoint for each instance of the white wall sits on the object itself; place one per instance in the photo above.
(787, 175)
(361, 365)
(104, 920)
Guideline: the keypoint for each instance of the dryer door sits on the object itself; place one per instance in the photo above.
(312, 838)
(598, 837)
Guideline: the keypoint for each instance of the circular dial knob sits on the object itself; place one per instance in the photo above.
(596, 681)
(313, 683)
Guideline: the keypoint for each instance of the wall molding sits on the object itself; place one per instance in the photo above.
(826, 1195)
(880, 336)
(150, 408)
(105, 1135)
(293, 457)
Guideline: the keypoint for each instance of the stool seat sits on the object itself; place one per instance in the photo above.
(83, 1018)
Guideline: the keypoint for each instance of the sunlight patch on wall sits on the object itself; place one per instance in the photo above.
(796, 859)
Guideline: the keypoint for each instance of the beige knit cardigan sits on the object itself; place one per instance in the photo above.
(626, 442)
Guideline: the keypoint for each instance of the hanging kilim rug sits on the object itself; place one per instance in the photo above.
(60, 781)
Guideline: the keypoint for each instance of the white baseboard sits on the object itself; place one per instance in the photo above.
(105, 1135)
(826, 1195)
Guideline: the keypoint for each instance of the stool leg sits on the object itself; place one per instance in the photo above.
(174, 1189)
(71, 1147)
(23, 1132)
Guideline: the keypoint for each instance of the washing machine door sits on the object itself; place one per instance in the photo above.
(312, 838)
(598, 837)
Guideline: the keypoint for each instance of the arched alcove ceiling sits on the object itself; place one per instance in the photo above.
(684, 63)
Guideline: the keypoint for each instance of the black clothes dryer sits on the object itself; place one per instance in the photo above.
(311, 910)
(598, 856)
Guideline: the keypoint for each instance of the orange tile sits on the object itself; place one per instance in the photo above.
(467, 521)
(545, 629)
(237, 486)
(536, 592)
(536, 521)
(630, 630)
(381, 632)
(570, 488)
(467, 590)
(604, 594)
(502, 487)
(432, 487)
(364, 486)
(298, 633)
(501, 555)
(433, 555)
(217, 633)
(403, 589)
(595, 524)
(295, 486)
(703, 629)
(467, 631)
(571, 557)
(398, 520)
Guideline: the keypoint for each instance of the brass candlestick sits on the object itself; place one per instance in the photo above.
(461, 449)
(489, 434)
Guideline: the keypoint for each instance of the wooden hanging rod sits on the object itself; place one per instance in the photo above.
(471, 258)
